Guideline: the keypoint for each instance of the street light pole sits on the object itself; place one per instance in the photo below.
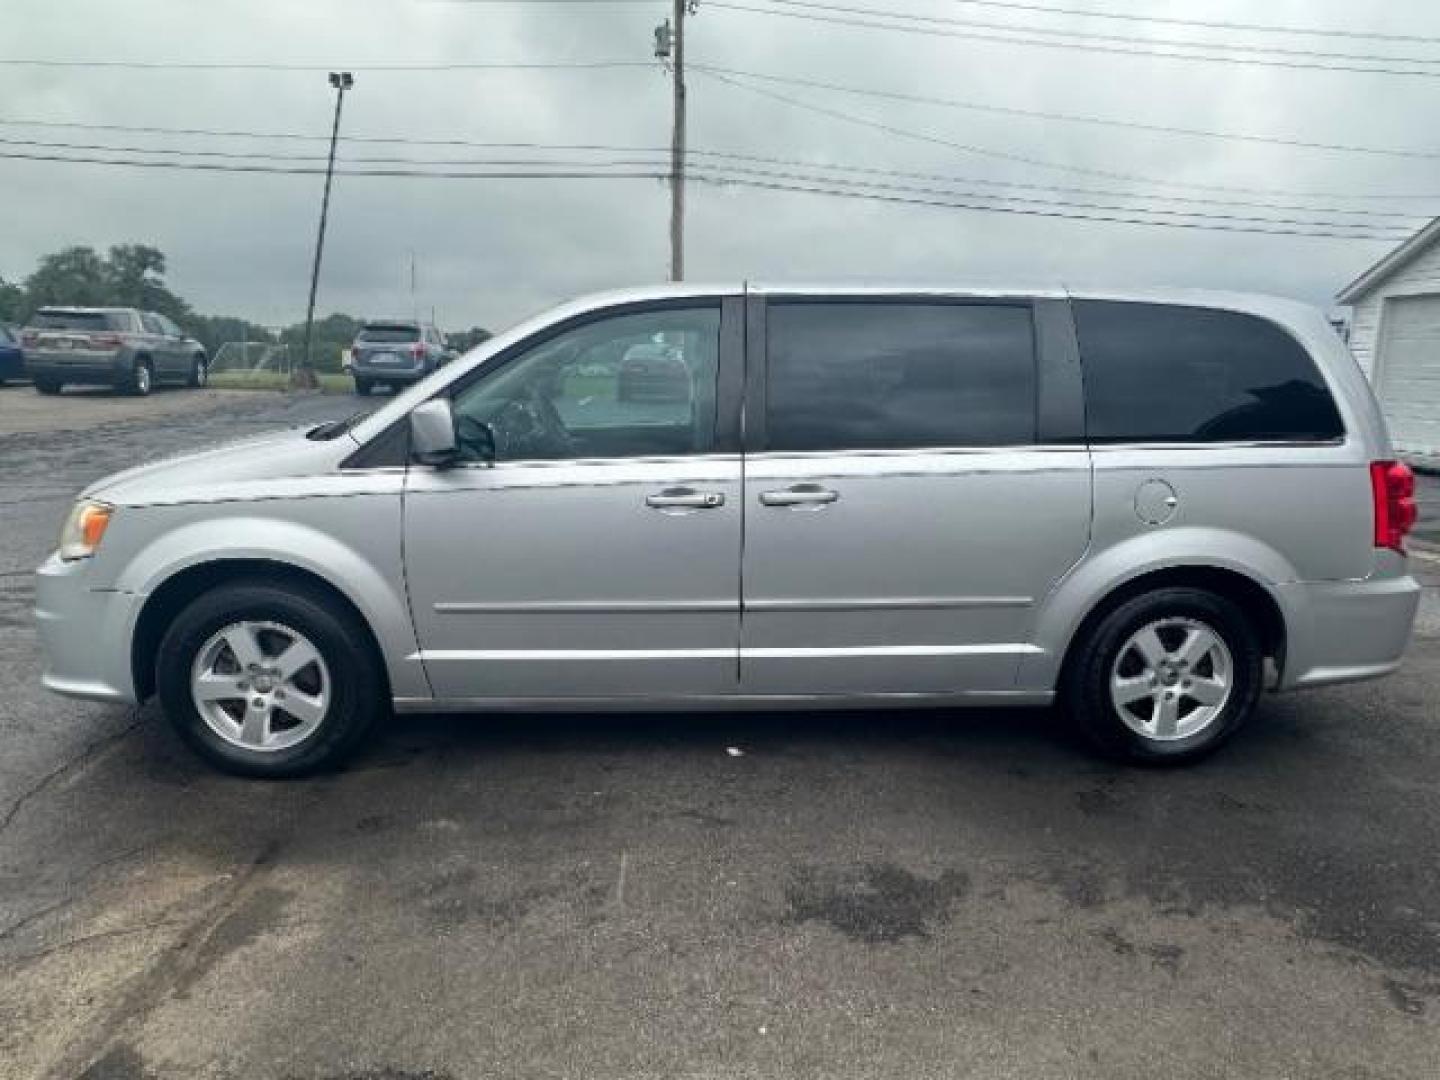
(304, 377)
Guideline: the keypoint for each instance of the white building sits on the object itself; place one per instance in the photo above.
(1395, 334)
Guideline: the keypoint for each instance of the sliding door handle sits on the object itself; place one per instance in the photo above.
(799, 495)
(685, 499)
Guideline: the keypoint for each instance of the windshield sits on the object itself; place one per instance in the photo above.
(81, 320)
(389, 334)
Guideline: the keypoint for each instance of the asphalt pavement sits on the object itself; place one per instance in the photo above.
(888, 894)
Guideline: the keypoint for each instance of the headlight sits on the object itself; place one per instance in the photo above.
(84, 529)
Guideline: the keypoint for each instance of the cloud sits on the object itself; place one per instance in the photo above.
(491, 251)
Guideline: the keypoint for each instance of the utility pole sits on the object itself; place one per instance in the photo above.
(304, 378)
(670, 46)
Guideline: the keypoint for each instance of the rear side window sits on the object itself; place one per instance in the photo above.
(1169, 373)
(81, 320)
(883, 375)
(390, 334)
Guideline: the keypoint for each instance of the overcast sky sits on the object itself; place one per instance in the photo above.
(489, 252)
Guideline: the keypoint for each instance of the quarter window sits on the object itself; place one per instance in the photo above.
(639, 384)
(1168, 373)
(857, 375)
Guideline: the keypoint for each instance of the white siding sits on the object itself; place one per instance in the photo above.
(1420, 275)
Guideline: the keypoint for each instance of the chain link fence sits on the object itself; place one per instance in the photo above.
(251, 357)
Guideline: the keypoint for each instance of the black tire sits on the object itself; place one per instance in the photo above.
(1086, 689)
(199, 372)
(49, 386)
(141, 380)
(362, 386)
(357, 685)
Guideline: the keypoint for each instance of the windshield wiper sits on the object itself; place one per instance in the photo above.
(331, 429)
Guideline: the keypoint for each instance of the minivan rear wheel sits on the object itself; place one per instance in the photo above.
(1166, 677)
(269, 682)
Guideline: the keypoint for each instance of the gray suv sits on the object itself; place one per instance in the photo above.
(131, 350)
(396, 354)
(1148, 507)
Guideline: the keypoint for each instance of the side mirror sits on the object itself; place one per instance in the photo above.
(432, 432)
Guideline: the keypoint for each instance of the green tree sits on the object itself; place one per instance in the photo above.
(136, 276)
(12, 302)
(75, 275)
(465, 340)
(331, 335)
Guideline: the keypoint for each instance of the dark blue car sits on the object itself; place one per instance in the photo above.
(12, 360)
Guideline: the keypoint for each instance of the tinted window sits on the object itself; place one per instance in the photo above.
(82, 320)
(389, 334)
(864, 375)
(1162, 373)
(151, 323)
(630, 385)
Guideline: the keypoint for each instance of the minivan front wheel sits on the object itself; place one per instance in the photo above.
(1167, 676)
(269, 682)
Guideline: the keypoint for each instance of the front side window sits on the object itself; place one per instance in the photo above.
(1169, 373)
(881, 375)
(640, 384)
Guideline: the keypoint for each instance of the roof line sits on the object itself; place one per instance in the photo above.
(1389, 264)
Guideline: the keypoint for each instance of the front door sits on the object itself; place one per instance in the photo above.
(598, 556)
(905, 511)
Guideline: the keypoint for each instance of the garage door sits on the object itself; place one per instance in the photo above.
(1409, 385)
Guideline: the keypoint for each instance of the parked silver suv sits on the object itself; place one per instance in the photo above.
(125, 348)
(1147, 506)
(396, 354)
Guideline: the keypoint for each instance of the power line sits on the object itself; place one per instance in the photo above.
(721, 155)
(1001, 110)
(1108, 219)
(1012, 39)
(1263, 28)
(1070, 204)
(888, 193)
(1088, 13)
(265, 65)
(981, 151)
(1084, 35)
(302, 170)
(167, 151)
(744, 164)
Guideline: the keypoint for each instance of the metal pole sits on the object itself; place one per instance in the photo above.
(305, 376)
(677, 151)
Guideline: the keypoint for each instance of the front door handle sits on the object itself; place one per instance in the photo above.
(685, 499)
(799, 495)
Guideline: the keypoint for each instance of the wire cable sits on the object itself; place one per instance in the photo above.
(1075, 118)
(981, 151)
(1117, 50)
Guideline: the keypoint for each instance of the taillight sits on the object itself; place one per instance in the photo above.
(417, 351)
(106, 341)
(29, 340)
(1393, 486)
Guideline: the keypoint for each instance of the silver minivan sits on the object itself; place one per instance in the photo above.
(1148, 507)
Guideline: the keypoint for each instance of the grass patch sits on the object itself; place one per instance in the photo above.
(330, 382)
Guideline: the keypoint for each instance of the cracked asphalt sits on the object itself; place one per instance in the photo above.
(852, 895)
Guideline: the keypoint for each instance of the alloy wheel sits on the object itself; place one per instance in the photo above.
(1171, 679)
(261, 686)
